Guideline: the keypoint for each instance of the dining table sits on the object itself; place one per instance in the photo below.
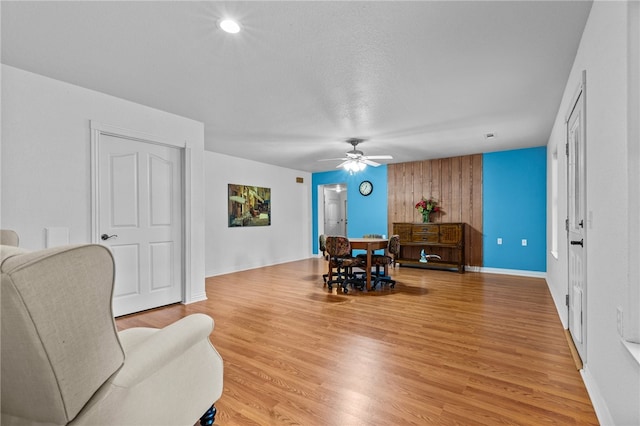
(370, 245)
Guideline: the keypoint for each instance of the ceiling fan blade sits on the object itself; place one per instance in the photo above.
(333, 159)
(378, 157)
(343, 163)
(370, 163)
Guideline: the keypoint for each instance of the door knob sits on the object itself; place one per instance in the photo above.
(105, 237)
(577, 243)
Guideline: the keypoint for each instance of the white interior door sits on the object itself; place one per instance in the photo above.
(335, 219)
(140, 219)
(576, 179)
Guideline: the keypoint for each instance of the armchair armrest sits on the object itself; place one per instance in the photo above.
(162, 347)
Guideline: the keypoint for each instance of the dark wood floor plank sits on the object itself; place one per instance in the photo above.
(441, 348)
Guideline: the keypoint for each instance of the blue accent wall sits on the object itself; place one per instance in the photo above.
(514, 208)
(365, 215)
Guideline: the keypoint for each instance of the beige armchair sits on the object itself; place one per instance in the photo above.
(63, 361)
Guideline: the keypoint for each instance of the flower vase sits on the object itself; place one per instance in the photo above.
(425, 217)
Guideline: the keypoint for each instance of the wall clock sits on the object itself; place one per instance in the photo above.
(366, 187)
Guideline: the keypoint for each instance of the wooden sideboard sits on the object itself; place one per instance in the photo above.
(444, 239)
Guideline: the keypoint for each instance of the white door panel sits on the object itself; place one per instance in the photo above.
(161, 185)
(577, 314)
(161, 255)
(123, 190)
(127, 260)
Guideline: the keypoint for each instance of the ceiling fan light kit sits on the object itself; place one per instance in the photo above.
(353, 166)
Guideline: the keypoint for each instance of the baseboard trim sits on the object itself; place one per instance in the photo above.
(518, 272)
(196, 298)
(599, 404)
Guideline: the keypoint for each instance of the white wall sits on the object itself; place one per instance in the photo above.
(288, 238)
(611, 374)
(46, 159)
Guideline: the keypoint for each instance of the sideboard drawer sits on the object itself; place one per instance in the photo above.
(419, 237)
(427, 228)
(427, 233)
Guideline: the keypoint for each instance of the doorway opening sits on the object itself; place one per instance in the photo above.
(332, 209)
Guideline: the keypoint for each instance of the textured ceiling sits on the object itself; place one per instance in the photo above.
(418, 80)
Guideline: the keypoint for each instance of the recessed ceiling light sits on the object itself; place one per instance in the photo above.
(229, 26)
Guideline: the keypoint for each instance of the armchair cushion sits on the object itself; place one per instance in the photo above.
(168, 375)
(150, 349)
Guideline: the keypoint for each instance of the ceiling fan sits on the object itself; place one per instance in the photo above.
(355, 159)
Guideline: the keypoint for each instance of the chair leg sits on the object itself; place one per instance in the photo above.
(209, 417)
(356, 279)
(385, 280)
(374, 283)
(337, 279)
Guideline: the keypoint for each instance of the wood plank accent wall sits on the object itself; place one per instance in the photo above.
(457, 185)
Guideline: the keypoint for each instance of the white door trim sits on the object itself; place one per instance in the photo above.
(99, 129)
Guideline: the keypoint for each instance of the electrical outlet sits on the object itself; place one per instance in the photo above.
(619, 321)
(524, 243)
(499, 241)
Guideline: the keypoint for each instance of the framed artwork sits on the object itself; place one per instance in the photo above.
(249, 206)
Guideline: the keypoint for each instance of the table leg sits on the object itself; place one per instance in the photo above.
(368, 268)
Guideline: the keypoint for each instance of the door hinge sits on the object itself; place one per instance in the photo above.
(566, 149)
(566, 299)
(566, 224)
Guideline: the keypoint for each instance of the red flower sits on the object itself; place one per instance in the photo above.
(427, 205)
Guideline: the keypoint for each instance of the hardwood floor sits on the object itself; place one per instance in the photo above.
(441, 348)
